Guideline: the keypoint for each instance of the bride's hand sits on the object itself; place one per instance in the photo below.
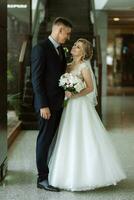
(68, 94)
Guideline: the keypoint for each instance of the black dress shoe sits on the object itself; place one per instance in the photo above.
(45, 185)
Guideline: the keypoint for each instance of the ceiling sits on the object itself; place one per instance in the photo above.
(119, 5)
(114, 4)
(122, 9)
(126, 18)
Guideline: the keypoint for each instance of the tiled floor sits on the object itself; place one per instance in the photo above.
(20, 184)
(118, 113)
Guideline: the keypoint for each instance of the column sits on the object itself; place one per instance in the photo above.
(101, 18)
(3, 88)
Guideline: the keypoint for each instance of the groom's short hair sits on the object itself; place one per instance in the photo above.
(63, 21)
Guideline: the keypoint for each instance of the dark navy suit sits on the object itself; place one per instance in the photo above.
(47, 67)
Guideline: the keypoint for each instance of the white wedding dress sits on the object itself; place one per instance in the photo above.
(83, 157)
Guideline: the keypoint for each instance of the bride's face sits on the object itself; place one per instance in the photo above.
(77, 49)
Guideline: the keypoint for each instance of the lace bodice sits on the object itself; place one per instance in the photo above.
(78, 72)
(78, 69)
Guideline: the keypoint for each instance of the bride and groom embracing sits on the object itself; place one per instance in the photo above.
(83, 157)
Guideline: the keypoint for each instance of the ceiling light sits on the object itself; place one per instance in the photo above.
(17, 5)
(116, 19)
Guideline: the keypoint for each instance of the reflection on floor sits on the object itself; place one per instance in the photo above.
(118, 113)
(118, 90)
(12, 119)
(20, 184)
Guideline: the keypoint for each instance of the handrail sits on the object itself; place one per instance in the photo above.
(35, 17)
(37, 20)
(22, 63)
(23, 51)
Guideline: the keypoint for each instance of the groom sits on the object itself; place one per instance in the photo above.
(48, 64)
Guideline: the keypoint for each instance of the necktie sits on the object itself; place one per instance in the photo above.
(60, 50)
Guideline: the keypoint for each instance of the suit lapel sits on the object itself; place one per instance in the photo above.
(53, 50)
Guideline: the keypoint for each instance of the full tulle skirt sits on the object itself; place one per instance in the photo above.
(84, 157)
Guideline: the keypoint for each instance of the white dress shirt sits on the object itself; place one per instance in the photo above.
(55, 43)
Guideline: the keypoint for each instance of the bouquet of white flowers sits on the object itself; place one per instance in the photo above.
(71, 83)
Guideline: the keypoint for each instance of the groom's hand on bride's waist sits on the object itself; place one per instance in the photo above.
(45, 113)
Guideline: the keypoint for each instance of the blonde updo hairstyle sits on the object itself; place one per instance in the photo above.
(87, 49)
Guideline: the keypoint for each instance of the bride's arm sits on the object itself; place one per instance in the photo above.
(88, 81)
(68, 68)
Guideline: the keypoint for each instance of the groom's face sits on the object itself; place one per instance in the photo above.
(64, 34)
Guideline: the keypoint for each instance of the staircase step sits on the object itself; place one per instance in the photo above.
(28, 84)
(82, 28)
(28, 91)
(29, 125)
(25, 116)
(27, 108)
(28, 99)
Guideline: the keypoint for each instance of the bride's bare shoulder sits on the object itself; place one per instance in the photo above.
(69, 65)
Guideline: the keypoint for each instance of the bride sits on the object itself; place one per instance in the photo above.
(83, 157)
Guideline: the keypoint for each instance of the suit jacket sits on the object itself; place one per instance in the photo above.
(46, 71)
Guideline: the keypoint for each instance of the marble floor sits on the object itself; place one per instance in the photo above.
(20, 183)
